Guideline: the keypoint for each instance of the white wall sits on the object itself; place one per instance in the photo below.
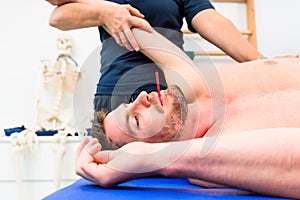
(26, 38)
(278, 26)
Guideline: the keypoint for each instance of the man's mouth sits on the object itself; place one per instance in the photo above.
(160, 99)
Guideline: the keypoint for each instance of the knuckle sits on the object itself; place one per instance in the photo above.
(126, 19)
(127, 5)
(125, 42)
(117, 28)
(78, 172)
(119, 43)
(114, 33)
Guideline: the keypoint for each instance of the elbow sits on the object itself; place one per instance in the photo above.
(56, 20)
(53, 23)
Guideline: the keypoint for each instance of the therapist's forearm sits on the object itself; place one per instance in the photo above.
(61, 2)
(266, 162)
(77, 15)
(221, 32)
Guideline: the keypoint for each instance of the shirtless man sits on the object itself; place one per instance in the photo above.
(247, 130)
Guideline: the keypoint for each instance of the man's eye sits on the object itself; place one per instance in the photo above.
(137, 121)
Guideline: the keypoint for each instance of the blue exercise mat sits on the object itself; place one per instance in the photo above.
(149, 188)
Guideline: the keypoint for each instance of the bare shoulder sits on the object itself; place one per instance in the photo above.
(274, 74)
(258, 64)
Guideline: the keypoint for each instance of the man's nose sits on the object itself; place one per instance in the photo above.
(142, 101)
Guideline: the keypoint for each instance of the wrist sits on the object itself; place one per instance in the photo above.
(179, 162)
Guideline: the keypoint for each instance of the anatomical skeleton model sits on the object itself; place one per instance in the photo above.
(54, 110)
(59, 82)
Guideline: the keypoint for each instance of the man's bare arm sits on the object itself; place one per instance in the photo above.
(178, 68)
(263, 161)
(205, 184)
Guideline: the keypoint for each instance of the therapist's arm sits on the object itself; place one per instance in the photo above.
(61, 2)
(95, 13)
(221, 32)
(116, 19)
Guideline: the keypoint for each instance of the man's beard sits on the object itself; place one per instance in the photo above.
(177, 116)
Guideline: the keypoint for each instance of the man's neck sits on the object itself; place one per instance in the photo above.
(199, 120)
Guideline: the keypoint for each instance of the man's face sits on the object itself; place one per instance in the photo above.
(148, 119)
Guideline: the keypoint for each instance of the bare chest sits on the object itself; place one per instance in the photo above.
(272, 110)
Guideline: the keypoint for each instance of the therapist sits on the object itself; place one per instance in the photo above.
(125, 72)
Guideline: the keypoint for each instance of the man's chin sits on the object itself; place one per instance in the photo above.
(177, 93)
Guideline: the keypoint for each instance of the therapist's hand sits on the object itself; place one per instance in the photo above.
(119, 20)
(108, 168)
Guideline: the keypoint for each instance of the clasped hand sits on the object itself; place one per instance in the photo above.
(108, 168)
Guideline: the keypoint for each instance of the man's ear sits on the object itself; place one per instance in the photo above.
(98, 131)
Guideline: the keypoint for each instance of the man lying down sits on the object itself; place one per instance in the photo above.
(236, 126)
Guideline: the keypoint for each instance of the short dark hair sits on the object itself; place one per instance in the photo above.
(98, 131)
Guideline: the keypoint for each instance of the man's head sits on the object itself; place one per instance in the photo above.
(147, 119)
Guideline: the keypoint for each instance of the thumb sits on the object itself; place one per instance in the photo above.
(141, 23)
(103, 157)
(135, 12)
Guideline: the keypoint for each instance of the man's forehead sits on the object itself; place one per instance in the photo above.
(116, 121)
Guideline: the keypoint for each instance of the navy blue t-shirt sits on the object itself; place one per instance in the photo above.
(126, 73)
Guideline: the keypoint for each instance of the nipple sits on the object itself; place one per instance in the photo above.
(270, 62)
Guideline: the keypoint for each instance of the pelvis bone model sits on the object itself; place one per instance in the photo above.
(55, 103)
